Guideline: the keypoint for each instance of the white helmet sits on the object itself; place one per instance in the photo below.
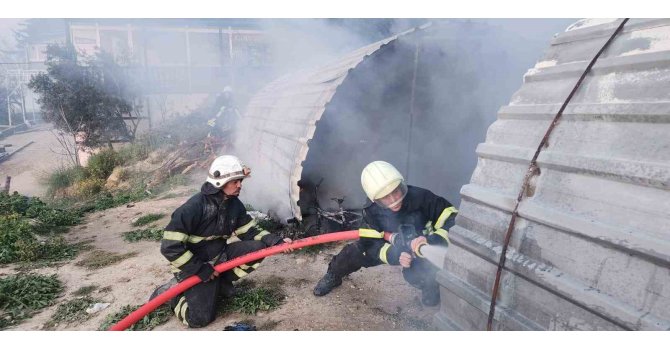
(379, 179)
(226, 168)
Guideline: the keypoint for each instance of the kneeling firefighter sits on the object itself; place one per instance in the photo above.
(398, 208)
(198, 236)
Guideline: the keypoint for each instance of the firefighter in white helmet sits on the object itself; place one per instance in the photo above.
(395, 207)
(197, 238)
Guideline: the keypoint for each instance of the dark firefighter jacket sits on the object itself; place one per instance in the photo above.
(197, 233)
(430, 214)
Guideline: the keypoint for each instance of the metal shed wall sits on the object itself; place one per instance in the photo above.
(591, 248)
(273, 136)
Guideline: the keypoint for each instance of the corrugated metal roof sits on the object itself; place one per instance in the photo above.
(274, 133)
(591, 249)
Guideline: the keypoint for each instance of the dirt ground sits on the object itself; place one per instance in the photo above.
(371, 299)
(29, 165)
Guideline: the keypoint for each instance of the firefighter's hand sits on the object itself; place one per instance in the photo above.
(214, 275)
(405, 259)
(288, 240)
(417, 242)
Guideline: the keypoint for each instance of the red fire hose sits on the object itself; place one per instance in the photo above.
(161, 299)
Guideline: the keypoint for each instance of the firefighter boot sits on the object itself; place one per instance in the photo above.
(326, 284)
(161, 289)
(430, 293)
(227, 289)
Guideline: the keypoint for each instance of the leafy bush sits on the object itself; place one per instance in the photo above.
(23, 295)
(64, 177)
(101, 164)
(13, 204)
(136, 151)
(88, 187)
(149, 322)
(17, 242)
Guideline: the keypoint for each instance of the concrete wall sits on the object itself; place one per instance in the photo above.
(591, 249)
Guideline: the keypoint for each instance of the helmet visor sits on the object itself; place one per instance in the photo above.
(393, 200)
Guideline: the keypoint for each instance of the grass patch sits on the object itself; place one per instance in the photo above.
(170, 183)
(107, 200)
(63, 177)
(148, 218)
(268, 326)
(250, 300)
(149, 322)
(71, 311)
(21, 296)
(99, 258)
(85, 290)
(147, 234)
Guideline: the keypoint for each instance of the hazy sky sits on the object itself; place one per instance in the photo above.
(6, 26)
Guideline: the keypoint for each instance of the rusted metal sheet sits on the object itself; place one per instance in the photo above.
(591, 248)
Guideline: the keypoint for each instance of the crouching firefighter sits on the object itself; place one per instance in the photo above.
(395, 207)
(198, 236)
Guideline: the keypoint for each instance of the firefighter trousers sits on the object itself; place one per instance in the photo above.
(197, 306)
(421, 274)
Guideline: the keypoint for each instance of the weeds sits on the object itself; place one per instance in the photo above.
(249, 299)
(71, 311)
(101, 164)
(149, 322)
(21, 218)
(85, 290)
(23, 295)
(148, 218)
(98, 259)
(147, 234)
(63, 177)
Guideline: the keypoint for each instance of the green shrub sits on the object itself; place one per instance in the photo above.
(17, 242)
(20, 218)
(149, 322)
(86, 188)
(13, 204)
(63, 177)
(136, 151)
(101, 164)
(23, 295)
(148, 218)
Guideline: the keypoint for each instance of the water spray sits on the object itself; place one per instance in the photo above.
(404, 238)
